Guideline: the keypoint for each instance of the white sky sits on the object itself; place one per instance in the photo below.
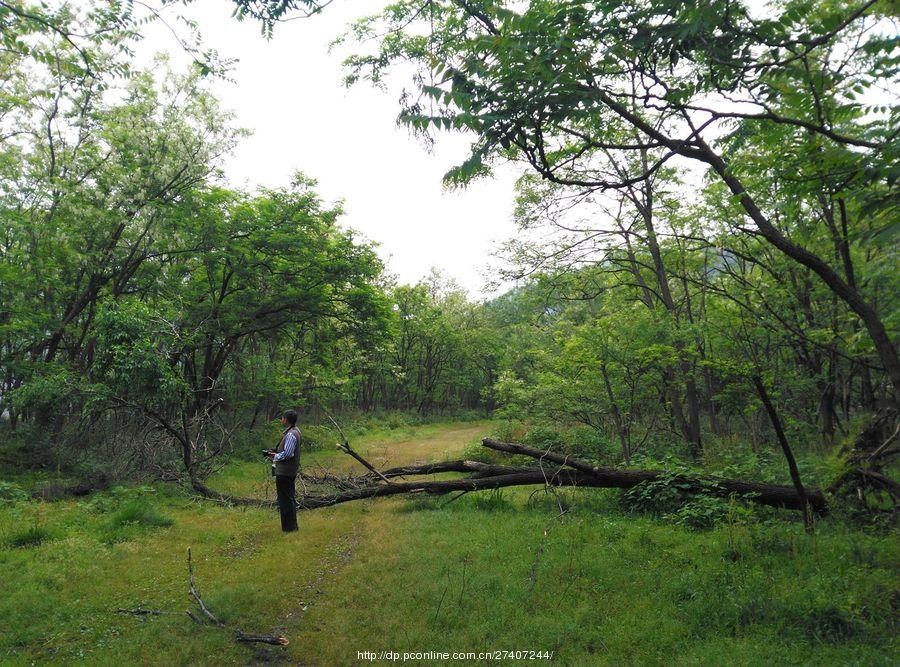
(288, 92)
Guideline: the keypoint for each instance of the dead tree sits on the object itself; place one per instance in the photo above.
(774, 495)
(786, 448)
(555, 470)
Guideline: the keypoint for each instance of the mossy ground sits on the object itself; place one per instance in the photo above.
(484, 572)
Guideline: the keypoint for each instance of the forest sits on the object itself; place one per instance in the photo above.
(675, 408)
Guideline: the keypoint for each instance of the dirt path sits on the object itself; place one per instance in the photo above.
(424, 445)
(373, 530)
(448, 442)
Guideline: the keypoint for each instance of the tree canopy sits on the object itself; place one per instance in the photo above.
(706, 207)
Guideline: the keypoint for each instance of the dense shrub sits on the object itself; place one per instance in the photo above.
(509, 430)
(663, 495)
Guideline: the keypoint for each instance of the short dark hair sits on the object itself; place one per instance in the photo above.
(291, 416)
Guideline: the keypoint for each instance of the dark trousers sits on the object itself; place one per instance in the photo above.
(287, 502)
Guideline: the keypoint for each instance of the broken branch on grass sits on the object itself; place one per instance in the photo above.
(196, 595)
(261, 639)
(346, 448)
(239, 635)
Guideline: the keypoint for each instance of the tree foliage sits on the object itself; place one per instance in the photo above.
(706, 219)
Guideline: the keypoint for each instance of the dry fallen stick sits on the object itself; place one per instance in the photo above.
(196, 595)
(239, 635)
(539, 551)
(261, 639)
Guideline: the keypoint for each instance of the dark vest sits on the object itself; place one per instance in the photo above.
(288, 467)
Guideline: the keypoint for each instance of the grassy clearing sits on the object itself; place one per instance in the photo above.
(599, 587)
(489, 571)
(59, 598)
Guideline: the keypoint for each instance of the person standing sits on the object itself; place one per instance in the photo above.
(285, 466)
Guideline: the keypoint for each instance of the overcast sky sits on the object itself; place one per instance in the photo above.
(288, 92)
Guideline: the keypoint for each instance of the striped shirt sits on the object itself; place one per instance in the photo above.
(290, 446)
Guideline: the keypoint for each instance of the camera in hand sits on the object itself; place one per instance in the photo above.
(265, 452)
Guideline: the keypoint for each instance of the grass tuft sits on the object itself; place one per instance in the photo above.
(131, 519)
(30, 537)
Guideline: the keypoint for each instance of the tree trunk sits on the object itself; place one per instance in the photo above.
(617, 417)
(887, 353)
(488, 476)
(690, 427)
(788, 454)
(765, 494)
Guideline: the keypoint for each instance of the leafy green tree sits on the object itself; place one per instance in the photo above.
(267, 270)
(91, 175)
(574, 88)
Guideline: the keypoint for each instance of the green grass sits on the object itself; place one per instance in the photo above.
(32, 536)
(130, 519)
(605, 588)
(485, 571)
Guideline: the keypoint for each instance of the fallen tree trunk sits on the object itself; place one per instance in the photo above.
(362, 485)
(765, 494)
(459, 465)
(775, 495)
(521, 477)
(565, 471)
